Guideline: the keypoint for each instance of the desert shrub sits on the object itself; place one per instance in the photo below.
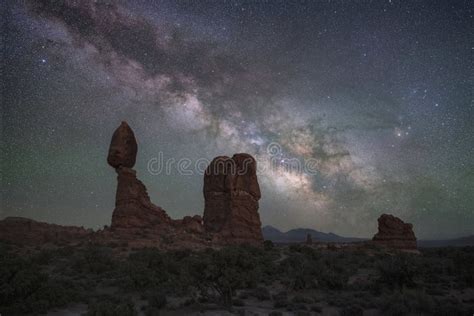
(151, 269)
(223, 272)
(408, 302)
(59, 292)
(398, 271)
(261, 293)
(297, 272)
(111, 308)
(463, 267)
(25, 289)
(268, 245)
(332, 280)
(238, 302)
(298, 307)
(336, 301)
(280, 303)
(16, 293)
(316, 308)
(43, 257)
(280, 295)
(352, 310)
(451, 306)
(244, 294)
(93, 260)
(307, 268)
(280, 300)
(302, 299)
(157, 300)
(138, 276)
(295, 248)
(364, 299)
(440, 263)
(435, 291)
(435, 267)
(308, 252)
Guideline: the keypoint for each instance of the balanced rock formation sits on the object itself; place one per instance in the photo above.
(231, 194)
(133, 207)
(394, 233)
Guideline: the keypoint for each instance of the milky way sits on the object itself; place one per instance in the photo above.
(352, 109)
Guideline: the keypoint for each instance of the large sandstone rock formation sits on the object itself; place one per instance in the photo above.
(133, 207)
(394, 233)
(231, 194)
(230, 217)
(231, 210)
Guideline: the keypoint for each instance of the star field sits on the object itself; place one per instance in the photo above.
(376, 96)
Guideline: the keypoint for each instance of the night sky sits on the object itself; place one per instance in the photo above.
(375, 96)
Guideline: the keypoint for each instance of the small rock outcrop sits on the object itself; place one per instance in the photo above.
(191, 224)
(394, 233)
(231, 193)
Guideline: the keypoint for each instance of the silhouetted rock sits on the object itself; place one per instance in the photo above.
(309, 239)
(133, 207)
(297, 235)
(123, 147)
(395, 233)
(25, 231)
(231, 212)
(135, 218)
(192, 224)
(231, 194)
(246, 177)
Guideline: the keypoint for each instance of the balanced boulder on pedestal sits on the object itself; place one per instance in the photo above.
(133, 207)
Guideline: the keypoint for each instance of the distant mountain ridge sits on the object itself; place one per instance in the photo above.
(457, 242)
(299, 235)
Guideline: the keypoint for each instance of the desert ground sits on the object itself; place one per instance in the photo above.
(292, 279)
